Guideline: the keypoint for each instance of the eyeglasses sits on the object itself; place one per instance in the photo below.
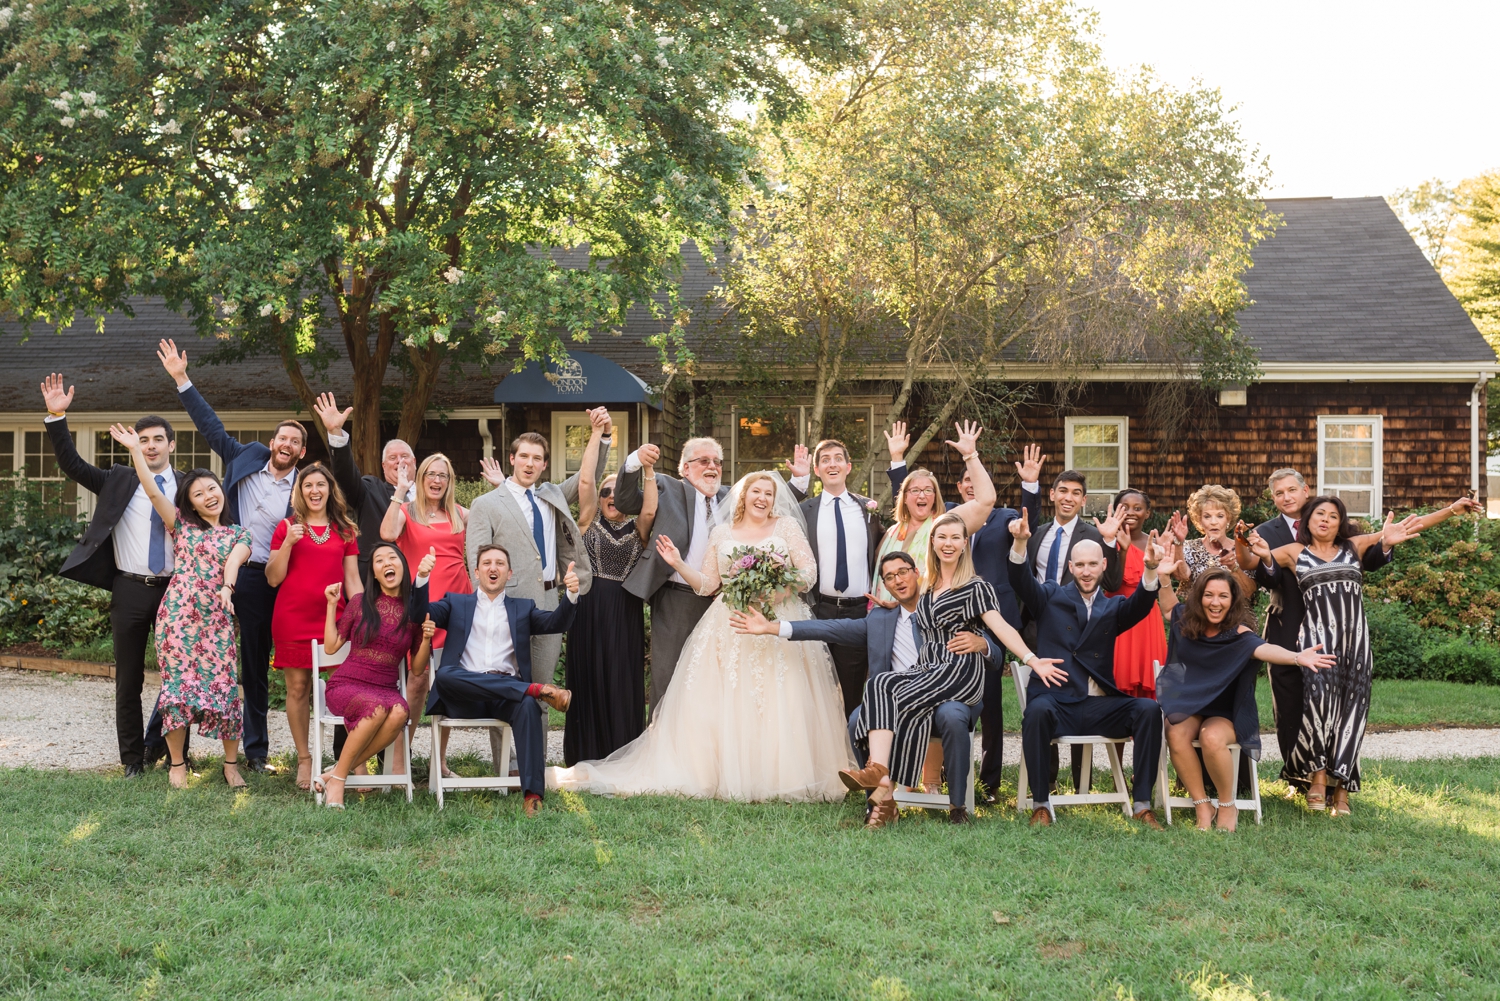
(922, 492)
(440, 477)
(894, 575)
(706, 460)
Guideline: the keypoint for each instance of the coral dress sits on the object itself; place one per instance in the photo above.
(300, 606)
(1143, 643)
(370, 677)
(195, 636)
(450, 574)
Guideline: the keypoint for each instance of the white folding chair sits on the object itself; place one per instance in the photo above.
(1164, 790)
(501, 743)
(1020, 674)
(321, 717)
(911, 799)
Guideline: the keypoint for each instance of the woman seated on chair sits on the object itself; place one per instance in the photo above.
(1207, 689)
(385, 625)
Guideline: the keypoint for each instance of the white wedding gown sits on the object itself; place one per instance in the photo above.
(745, 718)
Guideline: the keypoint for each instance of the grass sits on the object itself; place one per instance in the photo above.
(113, 889)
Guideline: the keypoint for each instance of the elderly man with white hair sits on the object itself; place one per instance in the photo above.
(685, 514)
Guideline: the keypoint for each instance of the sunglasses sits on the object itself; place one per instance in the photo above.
(606, 493)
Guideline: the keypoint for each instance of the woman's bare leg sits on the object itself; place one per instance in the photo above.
(176, 744)
(1180, 737)
(1216, 736)
(298, 701)
(232, 771)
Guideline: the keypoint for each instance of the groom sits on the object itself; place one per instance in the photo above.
(686, 511)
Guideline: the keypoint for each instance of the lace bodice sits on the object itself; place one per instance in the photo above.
(786, 537)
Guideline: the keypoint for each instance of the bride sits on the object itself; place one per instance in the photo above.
(745, 717)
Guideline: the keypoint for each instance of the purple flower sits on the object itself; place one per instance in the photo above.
(745, 562)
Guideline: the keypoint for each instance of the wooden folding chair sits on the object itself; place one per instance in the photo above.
(1163, 788)
(1020, 674)
(321, 717)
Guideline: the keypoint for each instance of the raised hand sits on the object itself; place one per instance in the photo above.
(599, 418)
(403, 479)
(174, 361)
(897, 441)
(294, 533)
(1314, 661)
(1155, 553)
(753, 623)
(329, 413)
(968, 438)
(669, 552)
(1047, 669)
(1020, 528)
(428, 562)
(126, 436)
(1110, 526)
(1260, 547)
(331, 593)
(492, 472)
(1177, 525)
(53, 395)
(649, 455)
(882, 602)
(799, 464)
(1030, 466)
(966, 642)
(429, 629)
(570, 580)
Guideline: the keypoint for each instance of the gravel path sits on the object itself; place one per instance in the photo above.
(67, 721)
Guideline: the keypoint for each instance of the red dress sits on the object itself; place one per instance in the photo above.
(450, 574)
(370, 677)
(298, 617)
(1142, 643)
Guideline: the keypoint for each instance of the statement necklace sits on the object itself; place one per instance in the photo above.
(312, 534)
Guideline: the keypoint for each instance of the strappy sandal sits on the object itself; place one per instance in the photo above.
(300, 782)
(320, 786)
(226, 766)
(1218, 813)
(1338, 809)
(177, 764)
(1317, 802)
(1197, 803)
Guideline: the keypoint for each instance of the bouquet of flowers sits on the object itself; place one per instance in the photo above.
(756, 576)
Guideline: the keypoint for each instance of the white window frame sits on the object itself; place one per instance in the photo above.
(564, 419)
(1123, 423)
(1377, 456)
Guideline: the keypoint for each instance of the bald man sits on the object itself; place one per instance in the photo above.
(1078, 624)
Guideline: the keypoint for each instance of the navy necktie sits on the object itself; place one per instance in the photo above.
(916, 637)
(841, 551)
(156, 552)
(1054, 557)
(537, 532)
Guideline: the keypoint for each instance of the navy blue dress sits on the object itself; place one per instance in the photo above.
(1212, 676)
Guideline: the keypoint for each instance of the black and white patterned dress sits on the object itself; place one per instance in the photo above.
(904, 703)
(606, 658)
(1336, 700)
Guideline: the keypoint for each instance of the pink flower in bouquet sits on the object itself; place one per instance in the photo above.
(744, 562)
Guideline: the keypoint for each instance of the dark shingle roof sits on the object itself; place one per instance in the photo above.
(1344, 280)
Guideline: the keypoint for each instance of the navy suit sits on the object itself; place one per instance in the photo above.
(1085, 645)
(952, 722)
(464, 694)
(990, 547)
(254, 598)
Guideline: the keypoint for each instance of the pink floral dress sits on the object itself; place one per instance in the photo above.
(195, 637)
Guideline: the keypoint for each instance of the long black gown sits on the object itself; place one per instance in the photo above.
(606, 659)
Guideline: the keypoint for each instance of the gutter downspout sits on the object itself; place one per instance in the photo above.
(1474, 438)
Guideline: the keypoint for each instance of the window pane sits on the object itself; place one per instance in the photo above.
(1084, 434)
(1102, 480)
(40, 464)
(576, 439)
(1096, 457)
(1350, 477)
(764, 440)
(7, 452)
(246, 435)
(1348, 455)
(1357, 501)
(1349, 431)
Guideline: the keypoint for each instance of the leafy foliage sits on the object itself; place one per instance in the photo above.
(37, 606)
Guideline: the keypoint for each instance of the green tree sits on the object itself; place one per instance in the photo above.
(1429, 211)
(978, 186)
(378, 180)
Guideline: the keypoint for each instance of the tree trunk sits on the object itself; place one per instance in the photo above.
(426, 363)
(293, 366)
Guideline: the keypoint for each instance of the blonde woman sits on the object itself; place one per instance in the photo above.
(432, 521)
(919, 500)
(1214, 511)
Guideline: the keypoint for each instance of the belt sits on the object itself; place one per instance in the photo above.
(259, 566)
(680, 587)
(828, 599)
(548, 585)
(150, 580)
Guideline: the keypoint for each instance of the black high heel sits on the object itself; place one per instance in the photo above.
(177, 764)
(225, 769)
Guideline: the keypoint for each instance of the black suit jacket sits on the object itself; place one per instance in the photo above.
(368, 497)
(1284, 621)
(92, 561)
(869, 522)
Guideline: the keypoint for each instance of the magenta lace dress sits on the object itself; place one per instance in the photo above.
(367, 680)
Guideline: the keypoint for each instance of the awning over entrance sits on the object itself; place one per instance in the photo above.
(584, 379)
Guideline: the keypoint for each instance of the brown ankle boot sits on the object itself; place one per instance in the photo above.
(557, 698)
(867, 777)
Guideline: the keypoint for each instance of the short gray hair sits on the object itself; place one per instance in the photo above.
(386, 449)
(692, 445)
(1282, 474)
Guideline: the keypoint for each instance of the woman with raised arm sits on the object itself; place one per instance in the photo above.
(317, 546)
(387, 626)
(1215, 512)
(1336, 702)
(1207, 691)
(606, 655)
(195, 637)
(919, 502)
(1144, 645)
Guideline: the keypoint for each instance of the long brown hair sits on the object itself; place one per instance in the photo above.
(338, 510)
(964, 572)
(1195, 624)
(418, 507)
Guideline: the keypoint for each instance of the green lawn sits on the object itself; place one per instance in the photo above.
(111, 889)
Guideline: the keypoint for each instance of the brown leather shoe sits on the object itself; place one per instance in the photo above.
(867, 777)
(882, 814)
(532, 806)
(557, 698)
(958, 815)
(1149, 819)
(1041, 817)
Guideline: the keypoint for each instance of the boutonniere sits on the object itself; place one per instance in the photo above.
(872, 506)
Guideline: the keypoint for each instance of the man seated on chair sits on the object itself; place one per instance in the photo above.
(891, 639)
(486, 668)
(1077, 624)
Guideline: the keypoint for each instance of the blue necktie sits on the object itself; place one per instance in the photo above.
(916, 637)
(156, 552)
(1054, 557)
(841, 551)
(537, 532)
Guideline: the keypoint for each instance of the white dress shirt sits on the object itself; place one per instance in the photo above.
(549, 524)
(856, 546)
(1050, 539)
(263, 504)
(132, 533)
(490, 648)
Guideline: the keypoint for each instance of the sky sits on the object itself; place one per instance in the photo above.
(1344, 99)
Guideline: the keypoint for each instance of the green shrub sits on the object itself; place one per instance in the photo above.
(466, 491)
(1397, 643)
(1449, 578)
(1463, 659)
(37, 606)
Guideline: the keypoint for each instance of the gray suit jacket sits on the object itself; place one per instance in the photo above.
(496, 517)
(674, 519)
